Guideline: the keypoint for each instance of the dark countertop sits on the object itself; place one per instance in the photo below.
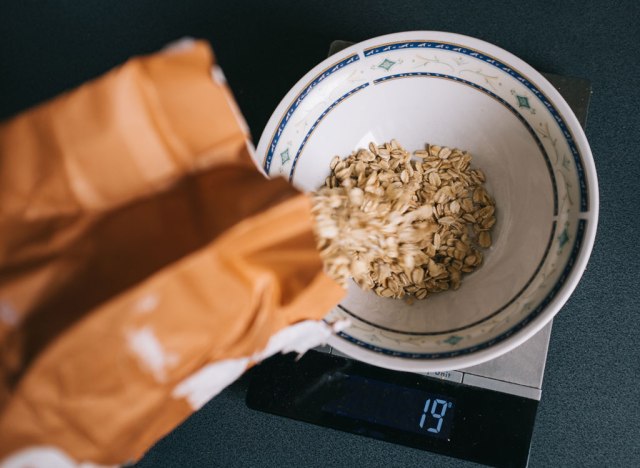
(590, 411)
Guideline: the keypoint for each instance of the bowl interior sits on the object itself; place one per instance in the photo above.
(417, 111)
(450, 90)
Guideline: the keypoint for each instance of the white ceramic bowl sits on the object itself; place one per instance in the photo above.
(451, 90)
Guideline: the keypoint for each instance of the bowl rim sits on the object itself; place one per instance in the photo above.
(591, 216)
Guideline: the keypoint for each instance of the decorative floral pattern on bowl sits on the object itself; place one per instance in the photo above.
(433, 87)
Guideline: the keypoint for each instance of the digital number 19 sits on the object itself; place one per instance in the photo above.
(437, 413)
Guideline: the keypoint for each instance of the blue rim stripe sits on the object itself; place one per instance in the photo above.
(577, 245)
(315, 124)
(294, 105)
(584, 199)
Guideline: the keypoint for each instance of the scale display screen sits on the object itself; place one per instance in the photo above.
(398, 407)
(390, 405)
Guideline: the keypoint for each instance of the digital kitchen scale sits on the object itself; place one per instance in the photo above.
(484, 413)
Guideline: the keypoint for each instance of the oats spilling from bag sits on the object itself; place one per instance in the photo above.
(400, 225)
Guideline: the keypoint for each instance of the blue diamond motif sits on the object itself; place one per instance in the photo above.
(523, 101)
(563, 238)
(387, 64)
(453, 340)
(285, 156)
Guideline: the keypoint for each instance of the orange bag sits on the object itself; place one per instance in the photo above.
(139, 244)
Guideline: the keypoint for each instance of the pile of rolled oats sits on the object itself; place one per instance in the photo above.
(401, 226)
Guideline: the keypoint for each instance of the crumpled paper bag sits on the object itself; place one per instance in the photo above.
(144, 260)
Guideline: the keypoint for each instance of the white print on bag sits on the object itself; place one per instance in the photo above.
(207, 382)
(8, 314)
(150, 353)
(211, 379)
(300, 338)
(43, 456)
(146, 304)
